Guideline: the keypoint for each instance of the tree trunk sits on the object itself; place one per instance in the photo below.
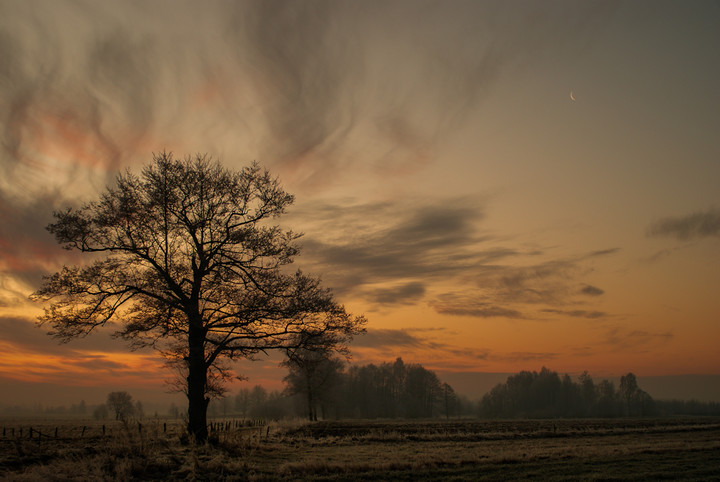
(310, 402)
(196, 381)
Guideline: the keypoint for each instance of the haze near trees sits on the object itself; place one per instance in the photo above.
(187, 260)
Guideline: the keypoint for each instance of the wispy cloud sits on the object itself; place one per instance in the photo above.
(407, 293)
(381, 243)
(26, 335)
(91, 88)
(379, 338)
(380, 345)
(578, 313)
(603, 252)
(27, 250)
(96, 84)
(701, 224)
(453, 304)
(526, 356)
(406, 252)
(621, 338)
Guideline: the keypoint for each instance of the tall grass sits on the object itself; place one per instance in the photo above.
(356, 450)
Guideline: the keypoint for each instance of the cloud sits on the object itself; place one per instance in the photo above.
(380, 338)
(31, 355)
(512, 291)
(306, 64)
(89, 88)
(591, 290)
(407, 293)
(296, 83)
(701, 224)
(402, 253)
(621, 338)
(578, 313)
(449, 304)
(379, 345)
(525, 356)
(603, 252)
(27, 250)
(663, 253)
(386, 243)
(25, 334)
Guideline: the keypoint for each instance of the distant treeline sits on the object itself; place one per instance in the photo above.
(545, 394)
(405, 390)
(686, 407)
(395, 390)
(388, 390)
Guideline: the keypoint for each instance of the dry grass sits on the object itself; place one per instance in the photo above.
(456, 450)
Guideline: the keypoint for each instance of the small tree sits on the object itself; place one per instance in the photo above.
(607, 401)
(313, 367)
(188, 260)
(121, 404)
(242, 402)
(258, 398)
(636, 401)
(450, 400)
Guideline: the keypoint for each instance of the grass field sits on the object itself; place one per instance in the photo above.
(620, 449)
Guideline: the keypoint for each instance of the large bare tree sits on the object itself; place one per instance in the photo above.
(187, 260)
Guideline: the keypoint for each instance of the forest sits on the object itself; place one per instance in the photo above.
(397, 390)
(545, 394)
(386, 390)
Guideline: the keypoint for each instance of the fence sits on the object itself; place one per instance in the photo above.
(46, 431)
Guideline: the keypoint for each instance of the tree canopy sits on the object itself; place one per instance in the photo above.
(545, 394)
(187, 260)
(121, 404)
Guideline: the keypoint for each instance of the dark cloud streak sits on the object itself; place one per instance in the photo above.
(407, 293)
(411, 248)
(591, 290)
(592, 315)
(701, 224)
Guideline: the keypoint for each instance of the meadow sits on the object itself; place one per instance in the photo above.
(577, 449)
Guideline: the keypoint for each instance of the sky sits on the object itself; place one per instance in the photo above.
(496, 185)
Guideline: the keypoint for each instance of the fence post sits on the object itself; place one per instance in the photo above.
(164, 427)
(83, 431)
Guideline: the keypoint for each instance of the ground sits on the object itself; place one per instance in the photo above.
(582, 449)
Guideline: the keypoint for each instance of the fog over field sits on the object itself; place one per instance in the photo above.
(704, 388)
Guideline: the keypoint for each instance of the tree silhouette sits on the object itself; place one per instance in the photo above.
(187, 259)
(635, 400)
(314, 369)
(121, 403)
(393, 390)
(545, 394)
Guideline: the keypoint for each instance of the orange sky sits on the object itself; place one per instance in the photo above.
(448, 186)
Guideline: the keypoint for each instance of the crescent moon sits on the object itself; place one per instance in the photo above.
(572, 97)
